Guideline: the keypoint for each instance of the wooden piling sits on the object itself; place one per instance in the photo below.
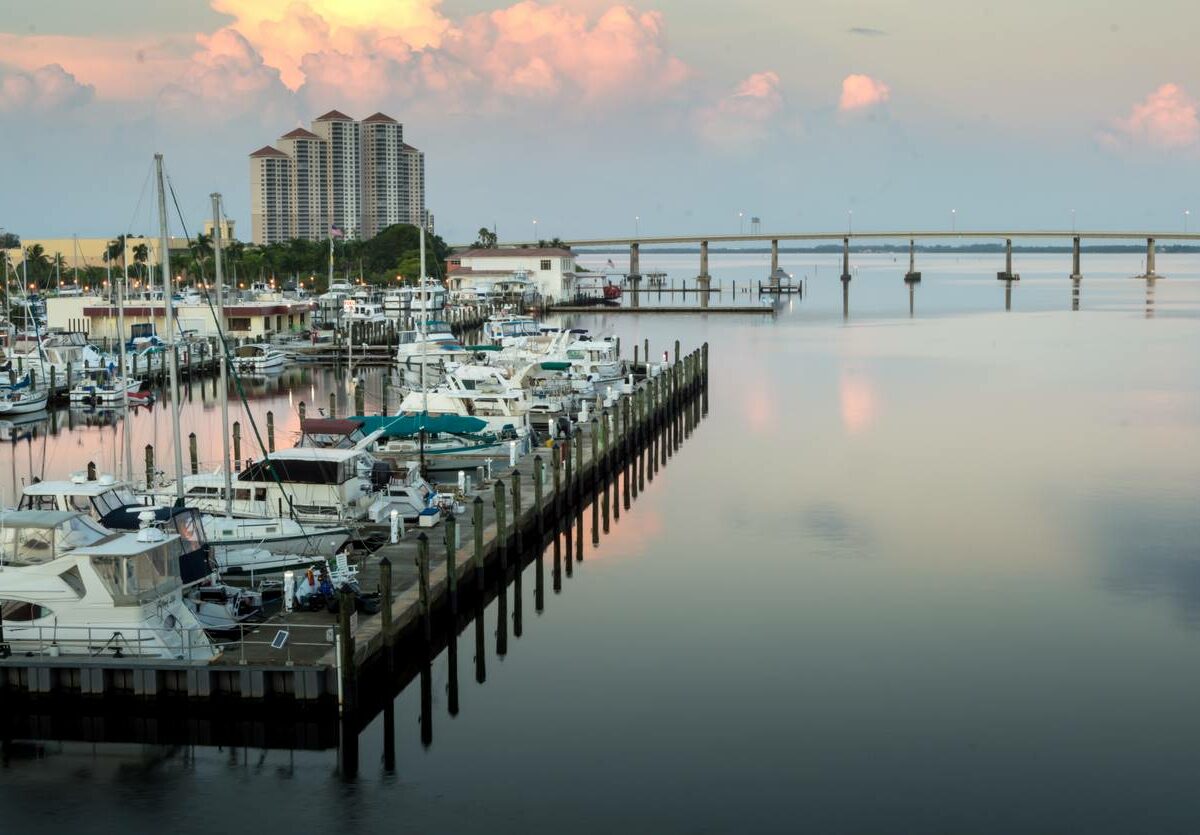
(237, 446)
(332, 405)
(360, 398)
(149, 466)
(423, 585)
(516, 515)
(193, 453)
(302, 409)
(538, 510)
(270, 431)
(477, 526)
(346, 654)
(385, 611)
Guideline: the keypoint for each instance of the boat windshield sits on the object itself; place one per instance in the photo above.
(133, 580)
(41, 544)
(115, 499)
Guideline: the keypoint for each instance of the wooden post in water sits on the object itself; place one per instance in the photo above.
(423, 584)
(346, 654)
(626, 458)
(556, 466)
(383, 394)
(270, 431)
(332, 405)
(193, 453)
(538, 510)
(516, 515)
(385, 610)
(452, 565)
(477, 530)
(237, 446)
(360, 399)
(501, 531)
(302, 409)
(149, 466)
(568, 458)
(578, 466)
(91, 471)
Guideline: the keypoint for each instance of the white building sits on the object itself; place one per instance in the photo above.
(271, 213)
(551, 269)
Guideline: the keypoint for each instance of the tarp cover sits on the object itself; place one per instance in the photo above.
(406, 425)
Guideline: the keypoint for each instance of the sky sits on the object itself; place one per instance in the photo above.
(596, 118)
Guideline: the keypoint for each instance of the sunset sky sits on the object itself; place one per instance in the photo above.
(584, 114)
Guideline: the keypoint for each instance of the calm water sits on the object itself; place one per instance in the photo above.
(927, 572)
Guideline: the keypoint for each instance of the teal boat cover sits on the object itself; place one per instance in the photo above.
(400, 426)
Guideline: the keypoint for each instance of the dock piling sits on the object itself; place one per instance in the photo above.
(270, 431)
(193, 453)
(423, 585)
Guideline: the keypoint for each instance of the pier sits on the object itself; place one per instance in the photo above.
(319, 665)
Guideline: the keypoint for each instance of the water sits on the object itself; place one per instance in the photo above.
(935, 572)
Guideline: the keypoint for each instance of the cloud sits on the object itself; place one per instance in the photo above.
(746, 115)
(862, 91)
(866, 32)
(1166, 120)
(45, 89)
(227, 77)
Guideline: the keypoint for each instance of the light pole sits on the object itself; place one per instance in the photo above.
(850, 222)
(535, 237)
(1072, 221)
(1186, 214)
(954, 221)
(741, 223)
(637, 226)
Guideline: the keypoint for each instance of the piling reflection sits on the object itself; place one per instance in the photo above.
(389, 737)
(426, 704)
(480, 648)
(1008, 283)
(1075, 293)
(845, 298)
(1150, 298)
(452, 671)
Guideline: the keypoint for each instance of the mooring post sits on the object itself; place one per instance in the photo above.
(595, 453)
(360, 399)
(149, 466)
(477, 531)
(270, 431)
(568, 479)
(346, 654)
(91, 470)
(516, 515)
(332, 405)
(302, 409)
(451, 525)
(501, 530)
(538, 476)
(193, 453)
(578, 440)
(383, 393)
(423, 584)
(385, 609)
(1076, 273)
(237, 446)
(556, 467)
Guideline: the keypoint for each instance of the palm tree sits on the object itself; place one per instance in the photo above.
(141, 254)
(115, 249)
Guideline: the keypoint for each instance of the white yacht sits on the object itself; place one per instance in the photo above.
(360, 310)
(68, 586)
(116, 506)
(103, 390)
(318, 485)
(505, 413)
(257, 358)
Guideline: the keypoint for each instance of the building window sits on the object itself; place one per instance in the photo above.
(239, 324)
(545, 263)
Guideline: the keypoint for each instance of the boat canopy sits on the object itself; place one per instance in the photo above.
(406, 425)
(484, 348)
(556, 366)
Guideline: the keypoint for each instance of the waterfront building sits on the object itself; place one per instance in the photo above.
(254, 318)
(271, 215)
(550, 269)
(344, 177)
(81, 253)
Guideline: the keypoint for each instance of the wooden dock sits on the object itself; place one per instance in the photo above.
(430, 583)
(755, 309)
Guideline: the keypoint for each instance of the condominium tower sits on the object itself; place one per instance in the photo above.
(344, 178)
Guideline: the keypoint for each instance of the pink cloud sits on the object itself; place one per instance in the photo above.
(862, 91)
(744, 116)
(45, 89)
(1166, 120)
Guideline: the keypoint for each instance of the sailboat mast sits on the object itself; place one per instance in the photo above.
(220, 317)
(169, 323)
(122, 288)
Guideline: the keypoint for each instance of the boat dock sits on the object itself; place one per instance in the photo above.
(315, 666)
(755, 309)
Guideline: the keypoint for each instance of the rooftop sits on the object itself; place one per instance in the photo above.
(268, 151)
(333, 116)
(300, 133)
(381, 117)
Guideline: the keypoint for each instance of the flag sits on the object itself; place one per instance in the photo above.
(611, 265)
(336, 232)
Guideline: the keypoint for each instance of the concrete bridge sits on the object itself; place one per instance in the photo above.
(1007, 236)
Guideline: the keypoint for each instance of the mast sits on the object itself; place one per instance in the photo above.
(220, 317)
(122, 288)
(169, 323)
(424, 346)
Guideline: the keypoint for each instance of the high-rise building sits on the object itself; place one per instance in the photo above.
(310, 183)
(414, 165)
(359, 177)
(385, 184)
(271, 195)
(343, 136)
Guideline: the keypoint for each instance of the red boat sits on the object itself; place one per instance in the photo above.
(140, 398)
(612, 292)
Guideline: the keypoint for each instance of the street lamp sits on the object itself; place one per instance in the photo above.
(637, 226)
(1186, 214)
(954, 220)
(535, 237)
(1072, 221)
(741, 223)
(850, 221)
